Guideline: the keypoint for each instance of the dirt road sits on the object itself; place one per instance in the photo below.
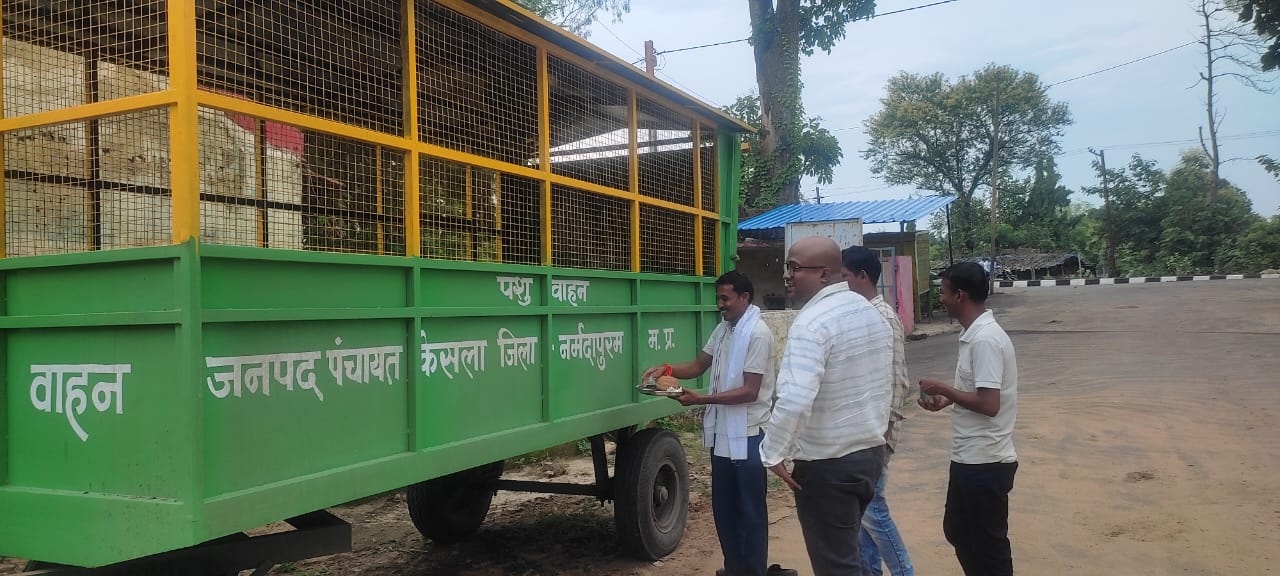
(1147, 436)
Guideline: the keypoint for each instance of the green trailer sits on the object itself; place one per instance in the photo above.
(261, 259)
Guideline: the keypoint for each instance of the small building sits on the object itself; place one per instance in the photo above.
(761, 249)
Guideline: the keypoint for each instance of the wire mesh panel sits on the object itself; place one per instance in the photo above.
(519, 205)
(707, 166)
(274, 185)
(589, 230)
(473, 213)
(444, 210)
(710, 231)
(60, 54)
(590, 126)
(336, 60)
(477, 87)
(666, 241)
(88, 185)
(665, 143)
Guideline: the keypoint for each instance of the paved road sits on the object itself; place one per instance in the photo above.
(1147, 433)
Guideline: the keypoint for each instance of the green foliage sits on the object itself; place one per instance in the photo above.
(1166, 223)
(820, 153)
(687, 421)
(1257, 249)
(781, 30)
(1196, 231)
(576, 15)
(940, 136)
(1265, 16)
(1270, 165)
(822, 22)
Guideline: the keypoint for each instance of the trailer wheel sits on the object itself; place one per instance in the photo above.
(451, 508)
(651, 495)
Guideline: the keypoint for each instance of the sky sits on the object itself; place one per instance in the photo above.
(1148, 107)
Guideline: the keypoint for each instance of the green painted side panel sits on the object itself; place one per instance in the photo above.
(90, 529)
(118, 287)
(283, 400)
(669, 293)
(463, 289)
(479, 376)
(102, 401)
(593, 364)
(98, 447)
(274, 284)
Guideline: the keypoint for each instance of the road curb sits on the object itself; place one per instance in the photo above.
(1123, 281)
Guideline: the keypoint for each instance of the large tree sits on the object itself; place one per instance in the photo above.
(940, 136)
(1197, 234)
(782, 30)
(819, 152)
(576, 15)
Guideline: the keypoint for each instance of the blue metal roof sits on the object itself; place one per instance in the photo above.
(869, 211)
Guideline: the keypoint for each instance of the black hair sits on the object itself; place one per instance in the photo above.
(862, 259)
(968, 277)
(739, 282)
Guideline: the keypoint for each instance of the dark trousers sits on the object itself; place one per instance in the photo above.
(976, 522)
(832, 497)
(742, 519)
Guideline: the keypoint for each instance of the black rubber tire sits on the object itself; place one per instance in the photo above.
(451, 508)
(651, 494)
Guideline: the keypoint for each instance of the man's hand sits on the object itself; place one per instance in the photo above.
(689, 398)
(934, 387)
(781, 470)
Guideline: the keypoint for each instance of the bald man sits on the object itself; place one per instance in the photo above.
(834, 390)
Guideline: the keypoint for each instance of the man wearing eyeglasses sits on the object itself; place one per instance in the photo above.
(834, 389)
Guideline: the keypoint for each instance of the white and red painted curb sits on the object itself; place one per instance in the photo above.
(1147, 280)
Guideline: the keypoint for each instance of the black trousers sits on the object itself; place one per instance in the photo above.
(833, 495)
(976, 522)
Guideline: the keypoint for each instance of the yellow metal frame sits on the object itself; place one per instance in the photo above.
(697, 196)
(184, 122)
(184, 99)
(4, 194)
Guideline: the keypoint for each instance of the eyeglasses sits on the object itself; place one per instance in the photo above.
(791, 267)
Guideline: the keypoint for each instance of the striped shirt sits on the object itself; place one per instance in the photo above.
(901, 386)
(834, 381)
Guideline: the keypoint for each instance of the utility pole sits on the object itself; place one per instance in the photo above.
(1106, 202)
(995, 184)
(650, 63)
(817, 192)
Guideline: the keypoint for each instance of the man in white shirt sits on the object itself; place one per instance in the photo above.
(832, 408)
(880, 541)
(985, 400)
(740, 355)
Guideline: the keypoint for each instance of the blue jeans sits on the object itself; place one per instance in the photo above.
(737, 503)
(880, 539)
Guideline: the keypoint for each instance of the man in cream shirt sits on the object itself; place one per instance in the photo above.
(832, 408)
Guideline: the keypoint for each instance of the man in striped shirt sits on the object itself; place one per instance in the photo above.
(832, 410)
(881, 543)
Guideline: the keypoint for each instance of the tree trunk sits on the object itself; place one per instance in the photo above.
(776, 41)
(1211, 150)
